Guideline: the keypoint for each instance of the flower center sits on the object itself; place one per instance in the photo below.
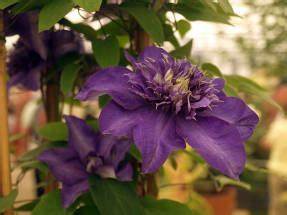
(93, 164)
(180, 89)
(96, 165)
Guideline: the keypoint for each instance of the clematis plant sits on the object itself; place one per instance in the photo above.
(158, 103)
(88, 153)
(164, 103)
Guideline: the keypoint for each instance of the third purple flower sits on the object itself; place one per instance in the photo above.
(165, 103)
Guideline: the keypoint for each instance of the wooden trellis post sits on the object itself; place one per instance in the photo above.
(5, 177)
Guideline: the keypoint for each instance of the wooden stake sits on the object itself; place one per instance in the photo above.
(5, 170)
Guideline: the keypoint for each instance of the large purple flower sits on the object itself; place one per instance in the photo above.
(28, 60)
(87, 153)
(164, 103)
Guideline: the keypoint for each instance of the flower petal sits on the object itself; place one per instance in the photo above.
(236, 112)
(155, 53)
(29, 80)
(117, 121)
(113, 149)
(71, 192)
(155, 136)
(64, 165)
(112, 81)
(82, 138)
(219, 83)
(26, 25)
(217, 141)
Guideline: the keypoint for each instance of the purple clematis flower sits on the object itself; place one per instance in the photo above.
(87, 153)
(164, 103)
(26, 26)
(28, 60)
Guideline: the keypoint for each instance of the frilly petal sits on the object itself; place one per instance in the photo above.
(117, 121)
(64, 165)
(236, 112)
(71, 192)
(155, 136)
(82, 138)
(217, 141)
(112, 81)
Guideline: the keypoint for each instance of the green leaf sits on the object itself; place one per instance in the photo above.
(87, 210)
(53, 12)
(107, 51)
(209, 3)
(35, 164)
(89, 5)
(169, 35)
(241, 82)
(27, 5)
(8, 201)
(93, 123)
(84, 29)
(104, 100)
(223, 181)
(28, 206)
(230, 91)
(147, 19)
(7, 3)
(114, 198)
(135, 152)
(54, 131)
(183, 51)
(183, 27)
(195, 11)
(50, 203)
(68, 77)
(164, 207)
(226, 6)
(211, 69)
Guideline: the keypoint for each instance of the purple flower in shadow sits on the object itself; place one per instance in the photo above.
(87, 153)
(29, 58)
(165, 103)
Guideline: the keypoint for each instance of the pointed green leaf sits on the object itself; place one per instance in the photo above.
(8, 201)
(68, 77)
(84, 29)
(209, 3)
(147, 19)
(226, 6)
(49, 204)
(195, 10)
(104, 100)
(89, 5)
(106, 51)
(7, 3)
(183, 27)
(164, 207)
(54, 131)
(53, 12)
(183, 51)
(28, 206)
(114, 198)
(87, 210)
(211, 69)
